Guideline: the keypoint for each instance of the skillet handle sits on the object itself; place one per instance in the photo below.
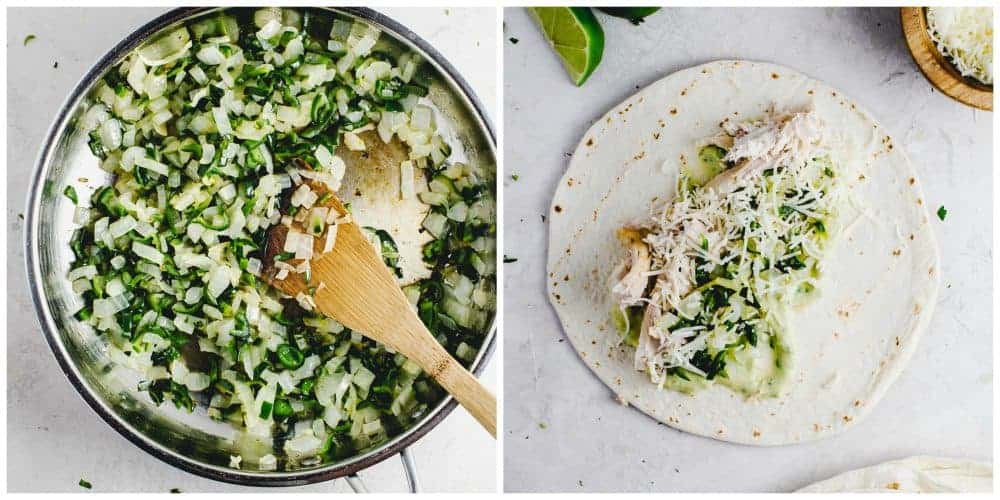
(410, 467)
(357, 484)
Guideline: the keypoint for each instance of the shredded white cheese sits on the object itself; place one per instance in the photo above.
(965, 35)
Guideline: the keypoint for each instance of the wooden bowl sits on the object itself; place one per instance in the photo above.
(936, 67)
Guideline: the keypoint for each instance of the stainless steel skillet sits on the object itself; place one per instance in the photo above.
(194, 442)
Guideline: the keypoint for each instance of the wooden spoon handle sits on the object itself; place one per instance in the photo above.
(464, 386)
(467, 390)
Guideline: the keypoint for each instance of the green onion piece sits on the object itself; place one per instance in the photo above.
(71, 194)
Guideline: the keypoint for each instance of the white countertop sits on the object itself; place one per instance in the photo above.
(54, 439)
(563, 431)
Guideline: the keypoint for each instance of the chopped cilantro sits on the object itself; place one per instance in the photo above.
(508, 260)
(86, 484)
(942, 212)
(29, 38)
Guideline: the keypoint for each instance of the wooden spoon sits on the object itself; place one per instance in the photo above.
(353, 286)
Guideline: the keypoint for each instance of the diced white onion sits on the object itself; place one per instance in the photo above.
(353, 142)
(122, 226)
(218, 281)
(111, 134)
(331, 238)
(147, 252)
(81, 215)
(211, 55)
(87, 272)
(152, 165)
(406, 187)
(222, 121)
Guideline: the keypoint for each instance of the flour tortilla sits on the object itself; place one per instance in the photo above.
(880, 277)
(912, 475)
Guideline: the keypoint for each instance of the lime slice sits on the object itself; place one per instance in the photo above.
(575, 35)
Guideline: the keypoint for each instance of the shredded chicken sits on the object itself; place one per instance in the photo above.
(649, 345)
(688, 235)
(760, 145)
(631, 276)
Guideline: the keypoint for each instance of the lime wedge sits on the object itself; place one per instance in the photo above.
(575, 35)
